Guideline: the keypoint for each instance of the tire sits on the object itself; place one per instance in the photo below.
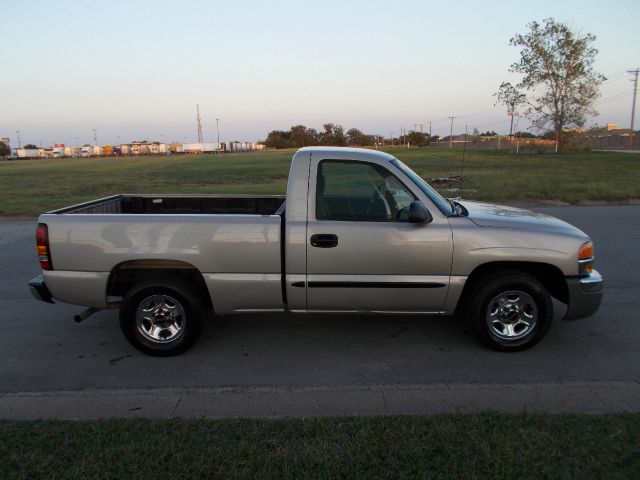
(162, 317)
(510, 311)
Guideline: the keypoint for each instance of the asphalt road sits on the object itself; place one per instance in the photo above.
(43, 352)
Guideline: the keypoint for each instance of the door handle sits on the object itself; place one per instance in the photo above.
(324, 240)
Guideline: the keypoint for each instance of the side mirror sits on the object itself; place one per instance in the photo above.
(418, 213)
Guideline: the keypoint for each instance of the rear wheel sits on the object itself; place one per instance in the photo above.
(161, 317)
(510, 311)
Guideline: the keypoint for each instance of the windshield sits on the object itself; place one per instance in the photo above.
(442, 203)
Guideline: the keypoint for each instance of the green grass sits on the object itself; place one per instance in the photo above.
(28, 188)
(486, 445)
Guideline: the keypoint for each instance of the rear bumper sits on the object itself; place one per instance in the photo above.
(585, 295)
(39, 290)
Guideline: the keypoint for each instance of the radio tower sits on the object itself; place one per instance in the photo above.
(199, 120)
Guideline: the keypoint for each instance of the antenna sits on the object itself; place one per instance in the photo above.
(199, 121)
(464, 150)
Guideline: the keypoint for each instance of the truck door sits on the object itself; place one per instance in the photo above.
(362, 253)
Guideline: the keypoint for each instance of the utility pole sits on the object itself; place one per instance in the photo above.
(421, 125)
(199, 122)
(218, 133)
(429, 130)
(95, 136)
(450, 133)
(18, 134)
(633, 106)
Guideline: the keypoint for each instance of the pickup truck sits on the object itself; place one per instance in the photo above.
(358, 232)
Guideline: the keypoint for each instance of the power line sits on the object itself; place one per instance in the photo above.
(609, 81)
(613, 98)
(615, 76)
(494, 123)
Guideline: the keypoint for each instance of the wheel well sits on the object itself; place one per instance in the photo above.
(127, 274)
(550, 276)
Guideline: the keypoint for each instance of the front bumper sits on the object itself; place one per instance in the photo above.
(585, 295)
(39, 290)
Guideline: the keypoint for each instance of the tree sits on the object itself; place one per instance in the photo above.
(526, 135)
(333, 135)
(5, 150)
(30, 146)
(278, 139)
(355, 137)
(418, 139)
(510, 97)
(302, 136)
(558, 80)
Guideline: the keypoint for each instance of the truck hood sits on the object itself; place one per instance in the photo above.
(500, 216)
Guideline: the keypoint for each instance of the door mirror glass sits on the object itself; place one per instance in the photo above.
(418, 213)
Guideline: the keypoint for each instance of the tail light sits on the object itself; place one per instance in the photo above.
(585, 259)
(42, 247)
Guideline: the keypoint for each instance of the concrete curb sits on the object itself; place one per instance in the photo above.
(278, 402)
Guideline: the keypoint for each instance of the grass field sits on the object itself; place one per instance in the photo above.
(447, 446)
(28, 188)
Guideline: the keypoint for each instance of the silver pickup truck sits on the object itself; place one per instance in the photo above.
(358, 232)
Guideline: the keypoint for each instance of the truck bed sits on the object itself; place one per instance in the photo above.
(180, 204)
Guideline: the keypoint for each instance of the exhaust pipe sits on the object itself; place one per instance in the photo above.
(86, 313)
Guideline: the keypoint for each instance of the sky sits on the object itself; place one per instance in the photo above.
(135, 70)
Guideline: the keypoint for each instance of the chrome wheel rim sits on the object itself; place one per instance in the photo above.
(160, 319)
(511, 316)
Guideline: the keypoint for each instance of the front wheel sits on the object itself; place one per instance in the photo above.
(161, 317)
(511, 311)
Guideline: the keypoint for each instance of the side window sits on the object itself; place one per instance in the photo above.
(358, 191)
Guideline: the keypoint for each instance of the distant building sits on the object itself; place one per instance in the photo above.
(144, 148)
(612, 136)
(175, 147)
(30, 153)
(205, 147)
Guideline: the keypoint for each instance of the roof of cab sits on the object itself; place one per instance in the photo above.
(346, 153)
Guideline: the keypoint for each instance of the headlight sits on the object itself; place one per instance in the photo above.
(585, 259)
